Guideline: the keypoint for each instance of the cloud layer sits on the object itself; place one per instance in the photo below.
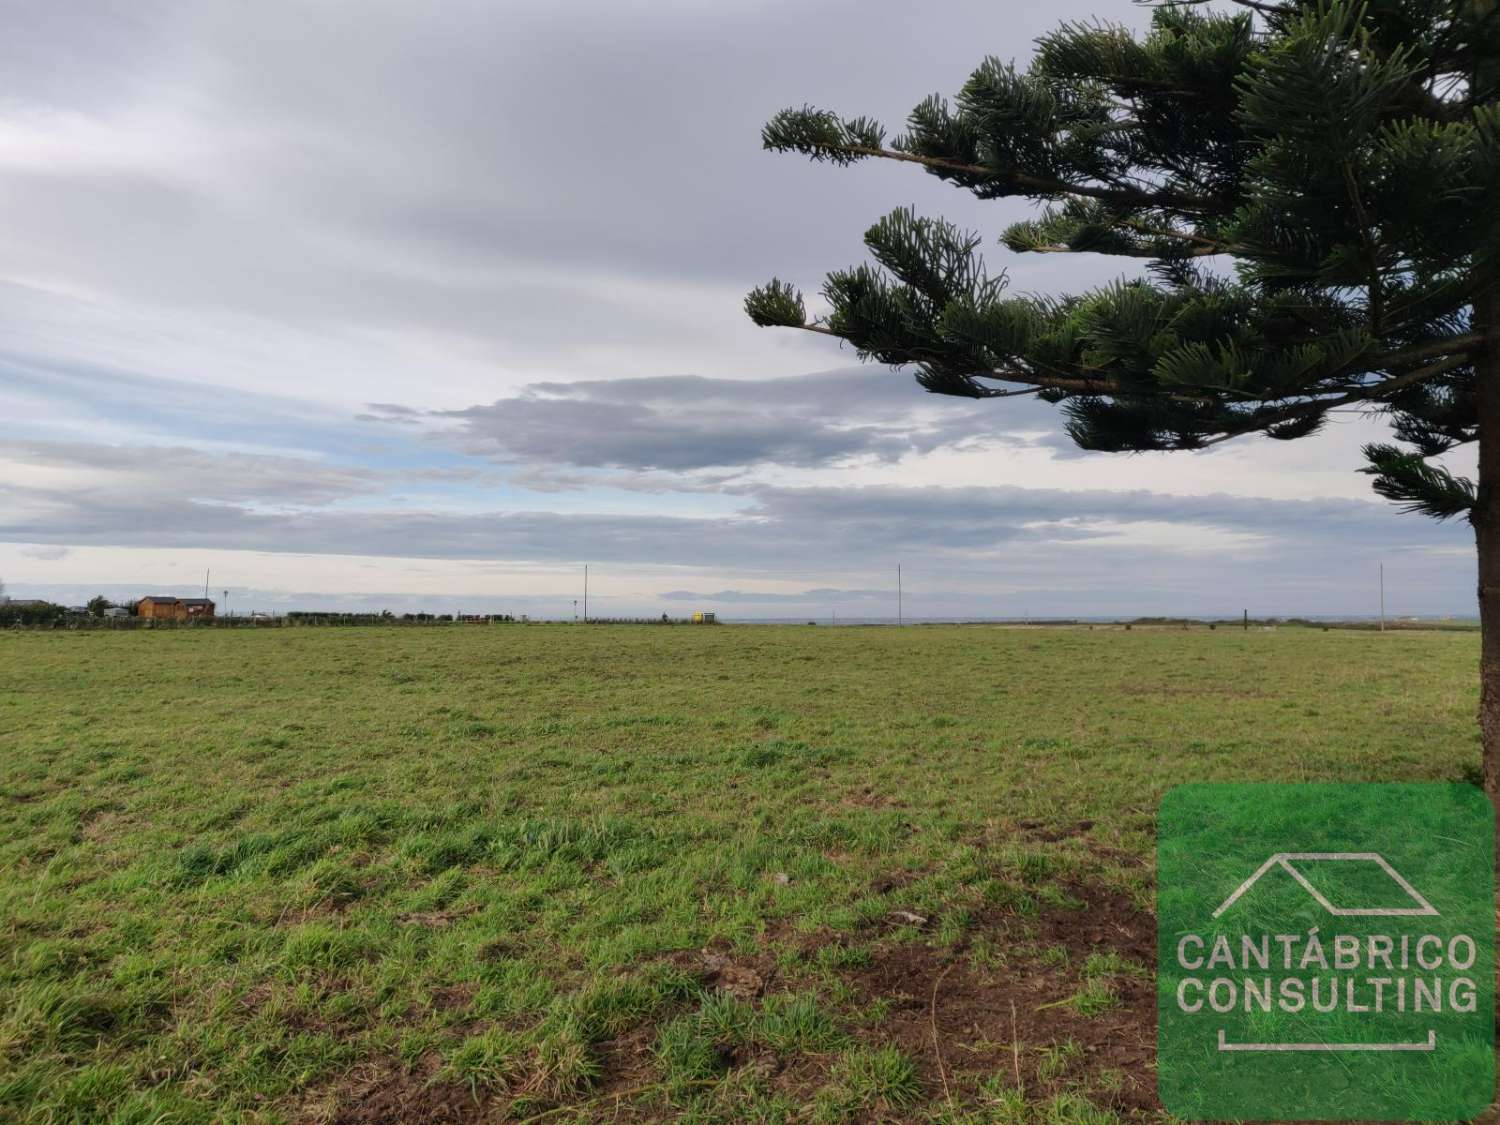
(685, 423)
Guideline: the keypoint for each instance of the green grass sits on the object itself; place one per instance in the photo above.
(247, 875)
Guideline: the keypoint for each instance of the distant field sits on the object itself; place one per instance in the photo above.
(573, 873)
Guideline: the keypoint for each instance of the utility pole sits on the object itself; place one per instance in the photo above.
(226, 601)
(585, 593)
(205, 585)
(1382, 597)
(900, 612)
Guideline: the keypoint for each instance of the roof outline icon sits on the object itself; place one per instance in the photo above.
(1283, 860)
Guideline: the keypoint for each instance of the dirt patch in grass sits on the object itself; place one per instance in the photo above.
(324, 910)
(867, 797)
(1017, 1020)
(435, 919)
(628, 1060)
(378, 1097)
(101, 826)
(1109, 918)
(627, 1063)
(255, 998)
(1042, 832)
(885, 884)
(744, 976)
(1053, 833)
(453, 997)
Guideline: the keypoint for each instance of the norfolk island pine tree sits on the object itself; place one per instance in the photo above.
(1315, 189)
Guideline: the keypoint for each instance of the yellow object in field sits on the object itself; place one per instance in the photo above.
(702, 618)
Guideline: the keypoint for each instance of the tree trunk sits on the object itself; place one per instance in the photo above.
(1486, 520)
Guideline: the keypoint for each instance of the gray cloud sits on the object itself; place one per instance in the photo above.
(685, 423)
(547, 478)
(784, 529)
(821, 596)
(46, 554)
(1005, 552)
(199, 475)
(538, 183)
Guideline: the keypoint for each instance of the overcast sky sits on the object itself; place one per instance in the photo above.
(425, 306)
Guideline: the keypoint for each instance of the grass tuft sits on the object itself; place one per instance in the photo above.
(878, 1077)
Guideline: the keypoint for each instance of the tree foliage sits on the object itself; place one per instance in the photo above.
(1313, 189)
(30, 613)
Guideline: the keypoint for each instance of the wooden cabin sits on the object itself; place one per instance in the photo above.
(161, 608)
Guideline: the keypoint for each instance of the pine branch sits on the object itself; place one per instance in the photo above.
(1448, 345)
(1456, 349)
(1418, 487)
(1257, 421)
(1372, 252)
(821, 136)
(1131, 252)
(1252, 5)
(1211, 245)
(1034, 382)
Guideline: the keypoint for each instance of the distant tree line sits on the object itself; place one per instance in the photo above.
(662, 620)
(37, 612)
(31, 614)
(386, 617)
(44, 615)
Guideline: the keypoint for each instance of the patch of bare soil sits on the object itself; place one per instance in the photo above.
(383, 1097)
(966, 1024)
(744, 976)
(627, 1064)
(253, 999)
(434, 919)
(885, 884)
(866, 797)
(453, 997)
(100, 826)
(1052, 833)
(1036, 831)
(628, 1060)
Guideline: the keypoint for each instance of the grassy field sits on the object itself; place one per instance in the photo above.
(558, 873)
